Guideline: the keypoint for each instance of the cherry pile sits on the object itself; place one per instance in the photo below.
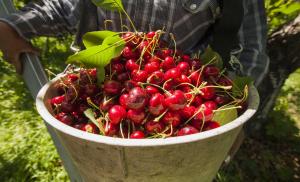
(150, 91)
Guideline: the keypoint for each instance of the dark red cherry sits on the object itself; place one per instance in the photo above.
(211, 71)
(176, 101)
(187, 130)
(112, 87)
(211, 125)
(156, 104)
(154, 127)
(150, 67)
(111, 129)
(168, 63)
(139, 75)
(172, 118)
(58, 99)
(116, 114)
(208, 92)
(137, 98)
(136, 116)
(131, 65)
(156, 78)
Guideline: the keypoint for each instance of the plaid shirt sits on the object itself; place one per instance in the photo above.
(188, 20)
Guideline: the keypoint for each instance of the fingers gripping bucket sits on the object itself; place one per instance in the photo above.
(194, 157)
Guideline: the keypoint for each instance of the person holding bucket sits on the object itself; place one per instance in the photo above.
(195, 24)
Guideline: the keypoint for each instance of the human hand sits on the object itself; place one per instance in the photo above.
(13, 45)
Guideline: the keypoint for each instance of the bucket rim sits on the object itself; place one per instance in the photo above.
(52, 121)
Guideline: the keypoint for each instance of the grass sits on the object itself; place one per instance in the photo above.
(27, 152)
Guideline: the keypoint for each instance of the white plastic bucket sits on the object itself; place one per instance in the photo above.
(194, 157)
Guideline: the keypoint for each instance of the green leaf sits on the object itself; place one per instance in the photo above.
(109, 4)
(96, 56)
(239, 84)
(100, 75)
(226, 115)
(90, 114)
(211, 57)
(97, 37)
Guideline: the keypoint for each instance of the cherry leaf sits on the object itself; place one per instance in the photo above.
(109, 4)
(95, 38)
(90, 114)
(100, 75)
(239, 84)
(225, 115)
(211, 57)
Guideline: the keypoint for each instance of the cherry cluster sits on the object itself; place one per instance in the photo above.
(149, 91)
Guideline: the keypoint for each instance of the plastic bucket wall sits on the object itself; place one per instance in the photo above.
(189, 158)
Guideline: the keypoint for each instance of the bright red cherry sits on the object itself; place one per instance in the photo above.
(166, 53)
(66, 119)
(151, 90)
(128, 53)
(137, 98)
(156, 77)
(137, 135)
(184, 79)
(206, 114)
(139, 75)
(72, 77)
(58, 99)
(156, 104)
(195, 78)
(211, 105)
(168, 63)
(197, 101)
(172, 74)
(172, 118)
(106, 104)
(154, 59)
(116, 114)
(186, 58)
(123, 100)
(131, 65)
(187, 112)
(183, 67)
(150, 67)
(151, 34)
(176, 101)
(208, 92)
(136, 116)
(187, 130)
(111, 129)
(117, 68)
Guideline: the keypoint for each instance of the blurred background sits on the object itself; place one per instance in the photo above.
(27, 152)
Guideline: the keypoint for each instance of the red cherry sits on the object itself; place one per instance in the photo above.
(128, 53)
(139, 75)
(187, 130)
(166, 52)
(151, 34)
(67, 107)
(211, 125)
(131, 65)
(184, 79)
(206, 114)
(151, 90)
(195, 64)
(151, 67)
(137, 135)
(90, 89)
(225, 81)
(172, 118)
(183, 67)
(195, 78)
(197, 123)
(111, 129)
(93, 72)
(122, 77)
(221, 100)
(78, 126)
(112, 87)
(172, 74)
(129, 84)
(176, 101)
(211, 105)
(136, 116)
(154, 127)
(116, 114)
(186, 58)
(211, 71)
(106, 104)
(197, 101)
(137, 98)
(208, 92)
(168, 63)
(156, 78)
(72, 77)
(154, 59)
(187, 112)
(156, 104)
(58, 99)
(117, 68)
(66, 119)
(90, 128)
(123, 100)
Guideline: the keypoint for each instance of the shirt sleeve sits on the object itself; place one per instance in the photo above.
(253, 38)
(46, 18)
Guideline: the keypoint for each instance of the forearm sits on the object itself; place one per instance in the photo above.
(47, 17)
(253, 37)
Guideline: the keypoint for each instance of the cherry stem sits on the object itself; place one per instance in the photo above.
(101, 128)
(90, 102)
(160, 116)
(121, 129)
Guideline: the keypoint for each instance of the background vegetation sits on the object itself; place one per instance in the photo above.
(27, 152)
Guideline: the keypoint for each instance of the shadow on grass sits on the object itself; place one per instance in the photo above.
(14, 170)
(274, 156)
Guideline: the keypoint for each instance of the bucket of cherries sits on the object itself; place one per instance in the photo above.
(148, 90)
(133, 106)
